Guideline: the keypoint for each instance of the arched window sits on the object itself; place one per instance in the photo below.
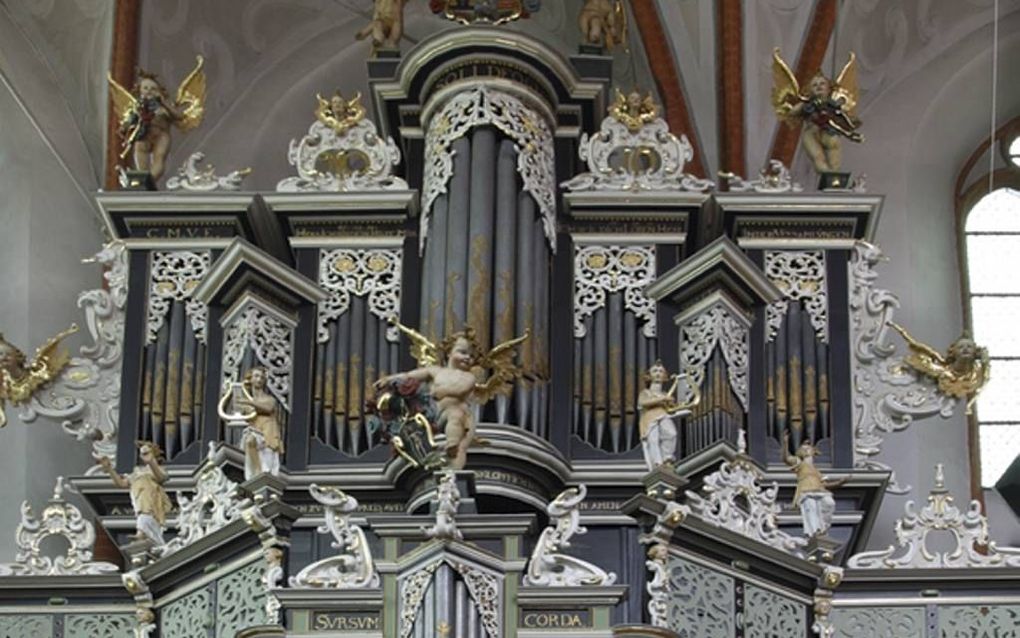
(992, 238)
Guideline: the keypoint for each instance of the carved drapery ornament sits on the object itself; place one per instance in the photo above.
(59, 519)
(481, 106)
(622, 156)
(548, 566)
(599, 270)
(85, 398)
(173, 276)
(192, 177)
(212, 506)
(352, 567)
(969, 530)
(800, 275)
(715, 326)
(373, 273)
(484, 588)
(271, 342)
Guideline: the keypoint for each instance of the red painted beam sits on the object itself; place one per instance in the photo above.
(123, 60)
(730, 22)
(819, 32)
(667, 78)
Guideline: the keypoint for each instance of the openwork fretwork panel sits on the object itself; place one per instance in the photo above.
(865, 622)
(175, 344)
(701, 601)
(240, 600)
(190, 616)
(26, 626)
(769, 615)
(979, 621)
(99, 626)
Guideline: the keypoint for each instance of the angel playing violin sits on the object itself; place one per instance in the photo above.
(826, 108)
(19, 379)
(145, 114)
(454, 384)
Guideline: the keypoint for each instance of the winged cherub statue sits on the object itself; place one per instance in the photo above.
(338, 113)
(826, 108)
(452, 369)
(20, 379)
(603, 23)
(145, 114)
(634, 110)
(961, 372)
(387, 25)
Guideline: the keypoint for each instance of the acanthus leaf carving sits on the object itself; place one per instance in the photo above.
(800, 276)
(701, 334)
(373, 273)
(599, 270)
(352, 567)
(212, 507)
(191, 177)
(548, 565)
(174, 276)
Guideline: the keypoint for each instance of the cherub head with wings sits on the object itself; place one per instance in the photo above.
(339, 113)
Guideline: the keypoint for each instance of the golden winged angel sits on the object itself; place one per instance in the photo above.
(339, 113)
(20, 379)
(827, 109)
(961, 373)
(452, 369)
(145, 114)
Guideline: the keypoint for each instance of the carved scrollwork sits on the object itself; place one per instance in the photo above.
(85, 398)
(646, 158)
(484, 589)
(599, 270)
(548, 566)
(715, 326)
(534, 141)
(373, 273)
(59, 519)
(271, 342)
(212, 506)
(412, 591)
(774, 178)
(969, 530)
(173, 276)
(191, 177)
(352, 567)
(769, 614)
(356, 159)
(658, 586)
(800, 276)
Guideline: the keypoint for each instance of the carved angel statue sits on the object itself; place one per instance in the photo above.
(387, 25)
(812, 495)
(148, 497)
(452, 370)
(21, 379)
(603, 23)
(338, 113)
(827, 109)
(256, 407)
(961, 373)
(658, 408)
(146, 112)
(634, 110)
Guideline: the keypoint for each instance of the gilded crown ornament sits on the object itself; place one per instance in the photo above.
(20, 379)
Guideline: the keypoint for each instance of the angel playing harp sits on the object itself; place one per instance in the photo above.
(451, 369)
(826, 108)
(145, 114)
(20, 379)
(961, 373)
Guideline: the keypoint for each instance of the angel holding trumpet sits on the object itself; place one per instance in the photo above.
(145, 114)
(451, 369)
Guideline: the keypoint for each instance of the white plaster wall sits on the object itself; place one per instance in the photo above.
(52, 65)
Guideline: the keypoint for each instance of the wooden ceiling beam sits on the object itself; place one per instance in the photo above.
(730, 45)
(123, 61)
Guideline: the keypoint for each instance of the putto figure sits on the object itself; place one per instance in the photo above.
(148, 498)
(603, 23)
(452, 370)
(826, 108)
(145, 114)
(812, 495)
(20, 379)
(387, 25)
(961, 373)
(658, 409)
(634, 110)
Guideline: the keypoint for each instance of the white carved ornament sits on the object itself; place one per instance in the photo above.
(85, 398)
(212, 506)
(599, 270)
(888, 394)
(530, 132)
(447, 502)
(191, 177)
(800, 276)
(715, 326)
(969, 530)
(59, 519)
(774, 178)
(484, 588)
(352, 567)
(548, 566)
(270, 340)
(373, 273)
(412, 591)
(658, 586)
(360, 142)
(173, 276)
(615, 142)
(733, 498)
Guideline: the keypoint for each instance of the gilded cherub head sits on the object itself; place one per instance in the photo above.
(634, 110)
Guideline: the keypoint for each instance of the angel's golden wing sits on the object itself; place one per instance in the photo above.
(424, 351)
(324, 112)
(846, 88)
(47, 364)
(124, 104)
(785, 88)
(191, 97)
(501, 361)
